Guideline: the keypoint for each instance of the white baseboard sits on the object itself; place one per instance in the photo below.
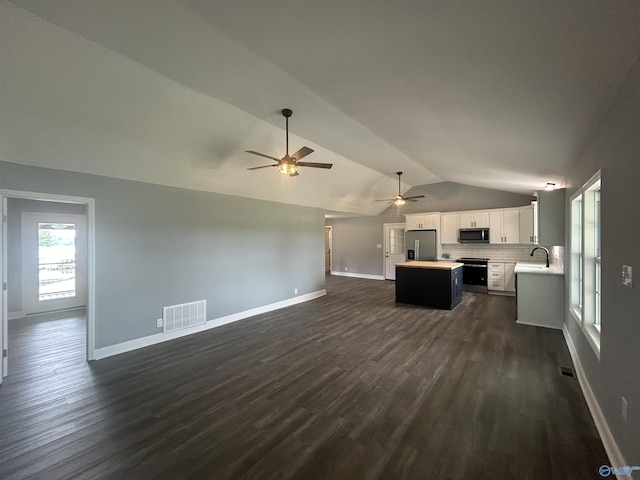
(357, 275)
(616, 458)
(15, 315)
(130, 345)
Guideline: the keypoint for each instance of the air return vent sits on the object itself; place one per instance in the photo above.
(185, 315)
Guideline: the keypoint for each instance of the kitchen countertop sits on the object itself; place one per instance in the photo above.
(437, 265)
(538, 269)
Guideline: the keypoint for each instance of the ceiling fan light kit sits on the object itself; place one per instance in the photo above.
(288, 165)
(399, 200)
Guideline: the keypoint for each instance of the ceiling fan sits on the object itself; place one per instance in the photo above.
(289, 163)
(399, 200)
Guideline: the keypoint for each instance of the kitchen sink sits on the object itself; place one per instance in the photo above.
(533, 265)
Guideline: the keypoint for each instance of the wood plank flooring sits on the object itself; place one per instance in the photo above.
(347, 386)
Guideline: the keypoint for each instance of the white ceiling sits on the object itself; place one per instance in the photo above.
(495, 94)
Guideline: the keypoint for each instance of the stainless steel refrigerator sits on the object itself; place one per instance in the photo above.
(420, 245)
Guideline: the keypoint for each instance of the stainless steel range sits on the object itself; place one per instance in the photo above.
(474, 274)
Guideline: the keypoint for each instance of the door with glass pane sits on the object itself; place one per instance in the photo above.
(54, 262)
(393, 248)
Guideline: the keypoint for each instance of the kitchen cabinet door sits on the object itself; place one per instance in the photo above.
(511, 226)
(423, 221)
(450, 226)
(528, 227)
(474, 219)
(509, 277)
(504, 226)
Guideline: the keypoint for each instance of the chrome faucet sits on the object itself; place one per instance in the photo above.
(545, 250)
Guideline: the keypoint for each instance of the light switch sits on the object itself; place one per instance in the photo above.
(627, 276)
(379, 245)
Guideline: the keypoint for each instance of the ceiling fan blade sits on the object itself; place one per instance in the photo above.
(385, 199)
(314, 165)
(303, 152)
(263, 155)
(415, 196)
(263, 166)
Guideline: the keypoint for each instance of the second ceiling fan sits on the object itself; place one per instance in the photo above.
(399, 200)
(289, 163)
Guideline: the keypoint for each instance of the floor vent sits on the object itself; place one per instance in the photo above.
(567, 372)
(185, 315)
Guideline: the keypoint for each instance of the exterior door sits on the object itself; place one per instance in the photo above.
(54, 262)
(393, 248)
(327, 249)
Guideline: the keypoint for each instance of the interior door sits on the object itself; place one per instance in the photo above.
(54, 262)
(393, 248)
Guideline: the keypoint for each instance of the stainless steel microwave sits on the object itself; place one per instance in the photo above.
(474, 235)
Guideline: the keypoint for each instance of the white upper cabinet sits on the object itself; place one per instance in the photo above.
(449, 227)
(504, 226)
(529, 224)
(423, 221)
(474, 219)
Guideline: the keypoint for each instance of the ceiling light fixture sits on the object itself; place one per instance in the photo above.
(550, 186)
(398, 200)
(287, 167)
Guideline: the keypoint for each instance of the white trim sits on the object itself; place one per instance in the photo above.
(91, 222)
(358, 275)
(616, 458)
(217, 322)
(16, 315)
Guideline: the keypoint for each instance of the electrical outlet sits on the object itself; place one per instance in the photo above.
(159, 323)
(624, 409)
(345, 269)
(295, 291)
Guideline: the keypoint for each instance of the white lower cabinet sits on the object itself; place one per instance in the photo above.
(501, 276)
(495, 276)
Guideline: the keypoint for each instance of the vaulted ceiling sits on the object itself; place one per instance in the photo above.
(494, 94)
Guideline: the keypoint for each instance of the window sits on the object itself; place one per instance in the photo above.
(586, 260)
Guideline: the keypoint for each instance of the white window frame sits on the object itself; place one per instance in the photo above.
(586, 261)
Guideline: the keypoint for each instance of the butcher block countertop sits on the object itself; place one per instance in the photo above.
(437, 265)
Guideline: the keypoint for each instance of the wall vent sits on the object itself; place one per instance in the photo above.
(185, 315)
(567, 372)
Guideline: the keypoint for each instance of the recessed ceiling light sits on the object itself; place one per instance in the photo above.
(550, 186)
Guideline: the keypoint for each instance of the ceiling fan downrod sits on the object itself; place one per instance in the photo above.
(286, 113)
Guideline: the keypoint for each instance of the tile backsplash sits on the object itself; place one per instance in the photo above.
(504, 253)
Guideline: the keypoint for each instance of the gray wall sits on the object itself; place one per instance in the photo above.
(159, 246)
(15, 208)
(614, 147)
(355, 240)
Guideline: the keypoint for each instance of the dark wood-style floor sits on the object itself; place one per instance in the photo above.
(348, 386)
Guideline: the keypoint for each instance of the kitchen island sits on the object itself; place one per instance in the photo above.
(431, 284)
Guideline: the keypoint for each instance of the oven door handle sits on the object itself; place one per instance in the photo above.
(474, 266)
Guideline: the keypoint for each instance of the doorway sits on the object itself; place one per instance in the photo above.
(54, 262)
(327, 249)
(393, 248)
(60, 277)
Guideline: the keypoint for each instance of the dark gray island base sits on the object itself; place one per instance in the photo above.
(431, 284)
